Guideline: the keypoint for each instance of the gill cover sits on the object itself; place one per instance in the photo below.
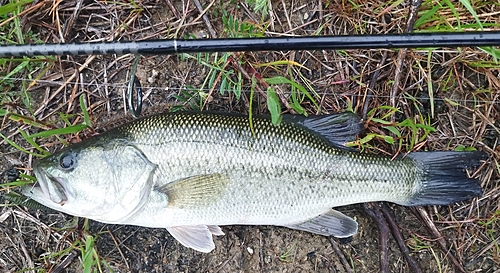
(133, 181)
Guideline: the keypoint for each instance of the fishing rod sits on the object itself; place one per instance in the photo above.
(173, 46)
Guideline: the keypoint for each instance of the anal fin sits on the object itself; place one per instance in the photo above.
(331, 223)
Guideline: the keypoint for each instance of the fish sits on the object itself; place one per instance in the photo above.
(192, 172)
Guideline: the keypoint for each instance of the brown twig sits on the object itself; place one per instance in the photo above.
(341, 256)
(415, 5)
(205, 19)
(69, 25)
(67, 261)
(173, 9)
(372, 85)
(118, 247)
(373, 210)
(202, 13)
(396, 233)
(429, 225)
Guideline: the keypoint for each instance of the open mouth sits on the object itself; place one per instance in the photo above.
(52, 187)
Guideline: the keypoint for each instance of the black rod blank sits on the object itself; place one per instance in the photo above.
(172, 46)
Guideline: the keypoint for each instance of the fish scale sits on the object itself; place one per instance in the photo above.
(192, 172)
(283, 160)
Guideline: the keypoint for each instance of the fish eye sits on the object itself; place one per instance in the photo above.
(67, 161)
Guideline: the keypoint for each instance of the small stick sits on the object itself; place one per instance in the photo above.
(205, 19)
(341, 256)
(373, 209)
(69, 25)
(396, 233)
(118, 247)
(372, 85)
(173, 9)
(67, 260)
(415, 5)
(429, 224)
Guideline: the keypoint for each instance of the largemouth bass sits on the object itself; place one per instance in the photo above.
(193, 172)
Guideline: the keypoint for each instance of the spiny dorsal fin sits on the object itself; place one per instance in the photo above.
(336, 129)
(195, 191)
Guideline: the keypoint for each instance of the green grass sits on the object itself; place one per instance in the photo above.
(418, 245)
(84, 243)
(56, 132)
(91, 261)
(222, 77)
(431, 19)
(259, 6)
(14, 70)
(406, 134)
(17, 76)
(287, 256)
(234, 28)
(227, 80)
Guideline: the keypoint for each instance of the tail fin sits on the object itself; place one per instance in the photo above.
(443, 176)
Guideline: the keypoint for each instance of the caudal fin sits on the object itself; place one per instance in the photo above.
(443, 177)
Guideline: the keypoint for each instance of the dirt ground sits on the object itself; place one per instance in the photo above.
(466, 114)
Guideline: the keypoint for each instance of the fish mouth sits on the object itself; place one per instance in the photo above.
(52, 187)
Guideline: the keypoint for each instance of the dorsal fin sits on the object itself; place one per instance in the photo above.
(336, 129)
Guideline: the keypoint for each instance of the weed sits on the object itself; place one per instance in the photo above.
(227, 80)
(431, 19)
(230, 81)
(23, 180)
(190, 97)
(273, 105)
(259, 6)
(90, 257)
(491, 227)
(418, 245)
(11, 32)
(285, 257)
(85, 245)
(234, 28)
(462, 148)
(57, 132)
(408, 132)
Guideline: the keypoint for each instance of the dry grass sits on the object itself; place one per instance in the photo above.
(463, 82)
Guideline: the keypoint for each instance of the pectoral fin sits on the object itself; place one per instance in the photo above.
(195, 191)
(196, 237)
(332, 223)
